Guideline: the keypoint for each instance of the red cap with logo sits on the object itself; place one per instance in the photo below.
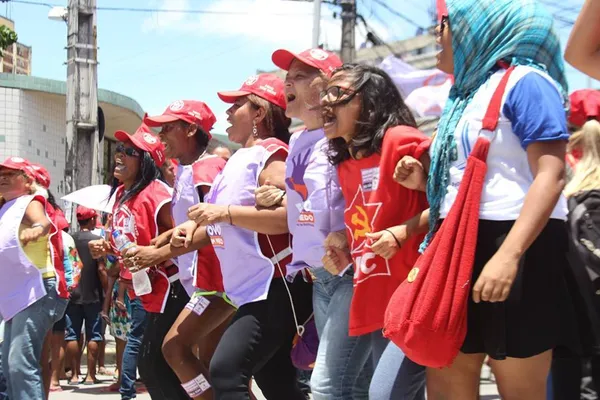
(84, 213)
(41, 175)
(144, 139)
(320, 59)
(190, 111)
(266, 86)
(19, 164)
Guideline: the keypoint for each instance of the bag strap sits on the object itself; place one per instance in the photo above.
(299, 328)
(492, 115)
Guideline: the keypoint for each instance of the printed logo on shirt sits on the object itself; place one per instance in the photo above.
(216, 235)
(358, 224)
(306, 218)
(370, 179)
(295, 181)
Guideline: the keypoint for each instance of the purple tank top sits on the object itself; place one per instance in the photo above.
(247, 273)
(21, 284)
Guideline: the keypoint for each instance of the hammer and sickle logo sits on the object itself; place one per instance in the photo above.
(361, 222)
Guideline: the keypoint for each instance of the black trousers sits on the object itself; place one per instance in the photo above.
(157, 375)
(258, 343)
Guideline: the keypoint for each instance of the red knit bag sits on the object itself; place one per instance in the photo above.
(427, 315)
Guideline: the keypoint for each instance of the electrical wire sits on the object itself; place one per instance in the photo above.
(398, 13)
(163, 10)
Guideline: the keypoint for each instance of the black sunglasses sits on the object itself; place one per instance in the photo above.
(334, 94)
(444, 23)
(128, 151)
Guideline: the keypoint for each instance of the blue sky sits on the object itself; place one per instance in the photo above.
(156, 58)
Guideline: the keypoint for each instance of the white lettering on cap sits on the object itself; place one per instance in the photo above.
(319, 54)
(268, 89)
(251, 80)
(149, 138)
(176, 105)
(17, 159)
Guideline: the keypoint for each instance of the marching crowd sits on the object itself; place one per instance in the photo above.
(355, 259)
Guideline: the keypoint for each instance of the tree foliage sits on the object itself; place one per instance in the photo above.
(7, 38)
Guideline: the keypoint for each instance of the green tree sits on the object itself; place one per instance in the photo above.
(7, 38)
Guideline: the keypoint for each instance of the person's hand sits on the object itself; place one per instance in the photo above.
(337, 255)
(183, 234)
(336, 260)
(162, 240)
(410, 173)
(268, 195)
(205, 214)
(337, 239)
(496, 279)
(140, 257)
(384, 244)
(31, 235)
(98, 248)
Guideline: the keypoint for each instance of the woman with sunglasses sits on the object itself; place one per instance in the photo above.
(370, 129)
(520, 308)
(185, 133)
(315, 208)
(33, 295)
(252, 245)
(141, 212)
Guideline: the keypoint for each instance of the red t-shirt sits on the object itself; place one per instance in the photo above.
(208, 270)
(374, 201)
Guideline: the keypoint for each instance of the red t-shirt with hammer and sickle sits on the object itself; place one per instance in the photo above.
(374, 201)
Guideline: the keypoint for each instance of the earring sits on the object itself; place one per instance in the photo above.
(254, 130)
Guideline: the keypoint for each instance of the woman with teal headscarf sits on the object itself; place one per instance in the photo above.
(519, 302)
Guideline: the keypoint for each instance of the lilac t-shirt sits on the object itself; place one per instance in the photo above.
(315, 205)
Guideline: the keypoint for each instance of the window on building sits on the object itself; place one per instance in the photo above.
(44, 128)
(54, 163)
(38, 152)
(2, 138)
(29, 142)
(46, 154)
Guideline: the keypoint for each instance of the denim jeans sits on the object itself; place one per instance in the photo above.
(23, 340)
(344, 368)
(395, 377)
(132, 349)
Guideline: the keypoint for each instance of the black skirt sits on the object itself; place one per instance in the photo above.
(538, 314)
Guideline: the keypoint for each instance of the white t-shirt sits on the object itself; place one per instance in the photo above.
(532, 111)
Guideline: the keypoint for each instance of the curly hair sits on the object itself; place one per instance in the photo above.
(275, 121)
(381, 108)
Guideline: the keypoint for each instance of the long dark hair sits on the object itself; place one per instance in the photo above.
(147, 173)
(381, 108)
(52, 201)
(275, 120)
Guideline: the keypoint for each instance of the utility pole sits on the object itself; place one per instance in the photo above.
(348, 48)
(316, 23)
(82, 144)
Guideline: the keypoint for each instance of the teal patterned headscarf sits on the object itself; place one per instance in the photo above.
(519, 32)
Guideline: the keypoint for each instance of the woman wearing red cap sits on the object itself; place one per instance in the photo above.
(141, 212)
(202, 322)
(259, 339)
(34, 296)
(315, 209)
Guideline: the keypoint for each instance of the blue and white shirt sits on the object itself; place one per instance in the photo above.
(532, 111)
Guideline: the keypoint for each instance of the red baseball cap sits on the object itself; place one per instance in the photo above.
(266, 86)
(144, 139)
(84, 213)
(585, 105)
(320, 59)
(190, 111)
(41, 175)
(19, 164)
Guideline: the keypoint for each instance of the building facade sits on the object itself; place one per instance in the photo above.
(16, 58)
(33, 123)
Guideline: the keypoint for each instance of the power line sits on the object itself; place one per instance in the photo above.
(164, 10)
(398, 13)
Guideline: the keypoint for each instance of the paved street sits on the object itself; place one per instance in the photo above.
(82, 392)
